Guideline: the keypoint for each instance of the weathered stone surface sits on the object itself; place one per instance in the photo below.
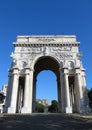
(58, 53)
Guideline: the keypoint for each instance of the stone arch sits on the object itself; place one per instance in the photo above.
(42, 55)
(61, 64)
(61, 55)
(45, 63)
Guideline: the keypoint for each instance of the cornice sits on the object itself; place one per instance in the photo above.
(26, 44)
(46, 40)
(46, 36)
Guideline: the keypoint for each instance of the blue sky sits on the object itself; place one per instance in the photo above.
(32, 17)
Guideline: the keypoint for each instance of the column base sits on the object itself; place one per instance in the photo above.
(25, 110)
(68, 109)
(11, 110)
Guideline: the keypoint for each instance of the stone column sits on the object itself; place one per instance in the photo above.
(85, 105)
(79, 92)
(34, 94)
(66, 83)
(62, 91)
(59, 96)
(25, 108)
(31, 90)
(84, 82)
(13, 102)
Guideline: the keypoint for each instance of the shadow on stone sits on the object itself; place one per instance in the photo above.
(45, 122)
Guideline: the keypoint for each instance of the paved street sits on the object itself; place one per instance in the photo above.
(45, 122)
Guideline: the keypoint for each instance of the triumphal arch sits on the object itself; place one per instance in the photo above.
(57, 53)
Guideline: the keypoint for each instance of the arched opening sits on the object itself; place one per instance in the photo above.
(46, 90)
(49, 65)
(46, 85)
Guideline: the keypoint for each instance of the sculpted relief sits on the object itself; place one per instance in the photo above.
(64, 55)
(38, 49)
(22, 64)
(45, 40)
(28, 53)
(31, 49)
(59, 49)
(60, 54)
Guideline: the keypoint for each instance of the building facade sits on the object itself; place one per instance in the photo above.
(57, 53)
(44, 102)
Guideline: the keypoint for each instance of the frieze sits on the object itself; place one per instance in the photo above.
(40, 49)
(65, 48)
(64, 55)
(23, 64)
(31, 50)
(45, 40)
(30, 53)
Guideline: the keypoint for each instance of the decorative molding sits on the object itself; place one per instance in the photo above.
(46, 40)
(64, 56)
(61, 47)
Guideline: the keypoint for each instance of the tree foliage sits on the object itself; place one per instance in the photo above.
(54, 106)
(39, 107)
(2, 97)
(90, 97)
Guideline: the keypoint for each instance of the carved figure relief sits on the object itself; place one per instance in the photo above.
(22, 64)
(70, 65)
(64, 55)
(59, 49)
(46, 50)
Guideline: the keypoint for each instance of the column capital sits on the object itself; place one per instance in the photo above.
(28, 70)
(65, 71)
(15, 71)
(77, 71)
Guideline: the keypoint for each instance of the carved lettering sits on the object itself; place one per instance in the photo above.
(64, 55)
(61, 48)
(45, 40)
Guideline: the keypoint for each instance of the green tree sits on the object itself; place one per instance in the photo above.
(90, 97)
(39, 107)
(54, 106)
(2, 97)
